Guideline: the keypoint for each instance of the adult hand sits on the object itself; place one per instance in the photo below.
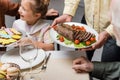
(103, 36)
(52, 12)
(82, 64)
(61, 19)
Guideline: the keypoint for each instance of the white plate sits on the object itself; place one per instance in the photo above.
(54, 34)
(13, 56)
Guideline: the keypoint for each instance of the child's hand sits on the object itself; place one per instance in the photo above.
(24, 40)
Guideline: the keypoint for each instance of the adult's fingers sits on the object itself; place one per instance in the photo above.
(54, 23)
(80, 60)
(79, 68)
(86, 49)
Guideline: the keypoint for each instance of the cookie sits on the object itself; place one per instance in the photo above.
(3, 31)
(16, 37)
(10, 69)
(8, 36)
(12, 40)
(6, 42)
(15, 31)
(5, 36)
(8, 31)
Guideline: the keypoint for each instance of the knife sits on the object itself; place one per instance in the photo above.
(47, 58)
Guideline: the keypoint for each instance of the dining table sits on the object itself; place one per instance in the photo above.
(59, 66)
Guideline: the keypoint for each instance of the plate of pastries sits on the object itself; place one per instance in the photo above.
(9, 71)
(9, 36)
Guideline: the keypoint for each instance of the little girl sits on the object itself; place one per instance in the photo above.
(31, 22)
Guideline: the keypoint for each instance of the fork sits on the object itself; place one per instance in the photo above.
(44, 66)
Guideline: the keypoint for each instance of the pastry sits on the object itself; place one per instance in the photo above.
(8, 31)
(16, 37)
(8, 36)
(2, 75)
(1, 40)
(6, 42)
(12, 71)
(9, 70)
(5, 36)
(12, 40)
(2, 31)
(15, 31)
(4, 67)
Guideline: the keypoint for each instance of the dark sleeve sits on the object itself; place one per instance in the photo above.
(106, 70)
(10, 8)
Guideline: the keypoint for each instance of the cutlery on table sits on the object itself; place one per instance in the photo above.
(44, 66)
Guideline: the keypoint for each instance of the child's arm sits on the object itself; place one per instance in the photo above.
(37, 44)
(46, 43)
(44, 46)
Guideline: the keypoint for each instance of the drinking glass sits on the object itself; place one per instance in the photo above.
(28, 52)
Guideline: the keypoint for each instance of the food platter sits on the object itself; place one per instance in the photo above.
(54, 34)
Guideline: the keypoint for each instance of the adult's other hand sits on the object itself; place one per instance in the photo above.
(82, 64)
(61, 19)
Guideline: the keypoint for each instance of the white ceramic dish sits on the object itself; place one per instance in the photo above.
(54, 34)
(13, 56)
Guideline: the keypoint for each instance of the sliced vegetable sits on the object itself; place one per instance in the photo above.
(76, 41)
(54, 27)
(88, 43)
(61, 38)
(92, 39)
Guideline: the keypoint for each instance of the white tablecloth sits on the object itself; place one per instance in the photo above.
(60, 66)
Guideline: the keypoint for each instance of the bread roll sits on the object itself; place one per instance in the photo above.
(4, 67)
(13, 71)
